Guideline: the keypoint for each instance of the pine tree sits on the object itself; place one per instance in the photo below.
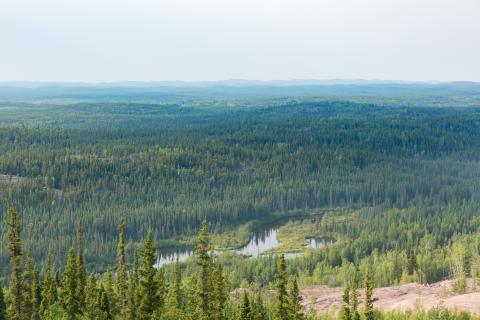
(3, 307)
(122, 285)
(218, 298)
(69, 291)
(368, 309)
(294, 302)
(345, 311)
(281, 309)
(49, 290)
(81, 270)
(245, 311)
(355, 315)
(148, 288)
(203, 260)
(15, 311)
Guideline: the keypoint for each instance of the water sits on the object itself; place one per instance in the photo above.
(319, 243)
(262, 240)
(169, 255)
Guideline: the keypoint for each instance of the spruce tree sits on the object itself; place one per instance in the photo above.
(160, 282)
(345, 311)
(36, 295)
(355, 315)
(108, 288)
(49, 288)
(15, 311)
(281, 307)
(91, 297)
(132, 290)
(69, 291)
(204, 263)
(122, 285)
(27, 279)
(104, 308)
(81, 270)
(368, 309)
(219, 297)
(245, 311)
(259, 311)
(177, 285)
(148, 288)
(294, 302)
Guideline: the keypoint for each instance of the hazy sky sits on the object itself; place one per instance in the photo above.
(115, 40)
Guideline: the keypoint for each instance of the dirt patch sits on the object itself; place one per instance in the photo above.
(403, 297)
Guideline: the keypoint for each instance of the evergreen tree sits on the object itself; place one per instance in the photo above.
(355, 315)
(132, 290)
(69, 298)
(219, 297)
(108, 288)
(177, 285)
(294, 302)
(49, 288)
(412, 262)
(104, 308)
(3, 306)
(81, 270)
(245, 311)
(36, 295)
(368, 309)
(148, 288)
(15, 311)
(259, 311)
(160, 282)
(27, 279)
(204, 262)
(281, 309)
(345, 311)
(122, 285)
(91, 298)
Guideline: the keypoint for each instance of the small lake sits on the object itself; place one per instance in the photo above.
(263, 239)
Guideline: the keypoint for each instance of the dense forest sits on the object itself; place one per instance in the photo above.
(395, 186)
(168, 167)
(146, 292)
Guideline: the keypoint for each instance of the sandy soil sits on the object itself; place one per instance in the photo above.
(402, 297)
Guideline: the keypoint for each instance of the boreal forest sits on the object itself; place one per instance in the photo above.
(231, 202)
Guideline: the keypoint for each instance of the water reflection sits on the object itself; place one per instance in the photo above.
(263, 239)
(319, 243)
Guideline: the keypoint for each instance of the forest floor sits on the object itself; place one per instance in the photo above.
(402, 297)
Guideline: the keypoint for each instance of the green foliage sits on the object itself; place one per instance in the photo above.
(70, 300)
(15, 311)
(295, 308)
(149, 299)
(204, 262)
(281, 308)
(368, 311)
(345, 311)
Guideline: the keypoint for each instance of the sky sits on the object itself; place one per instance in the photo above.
(198, 40)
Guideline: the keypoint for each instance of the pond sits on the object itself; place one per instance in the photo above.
(262, 240)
